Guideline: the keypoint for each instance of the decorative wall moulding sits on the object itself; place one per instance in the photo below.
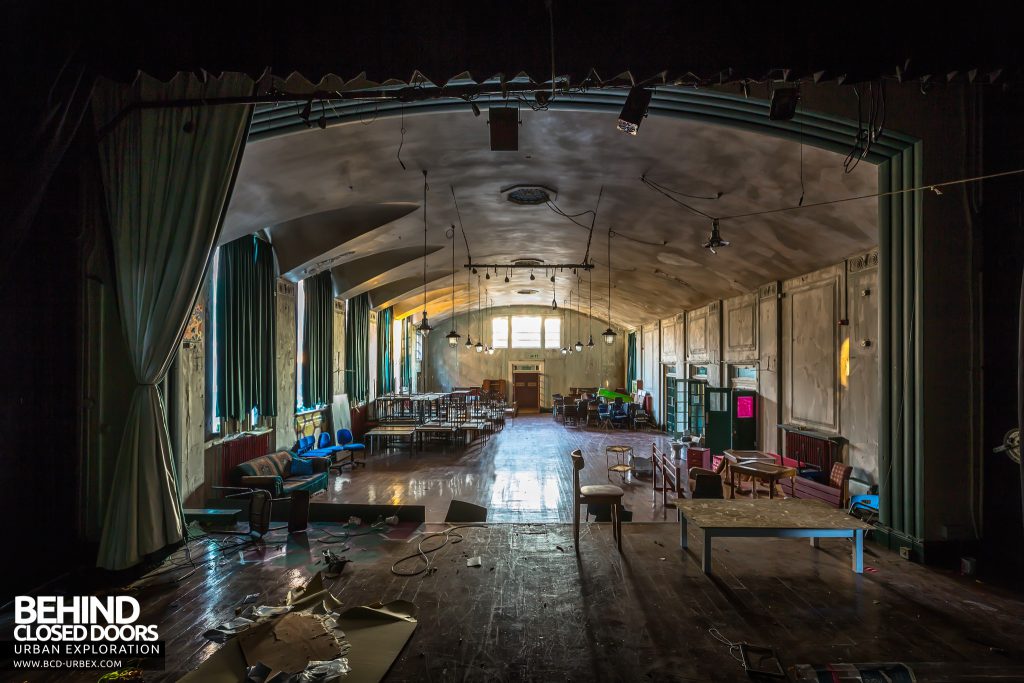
(768, 291)
(863, 262)
(339, 306)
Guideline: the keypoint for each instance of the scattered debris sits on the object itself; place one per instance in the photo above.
(325, 671)
(251, 597)
(474, 561)
(264, 611)
(392, 520)
(335, 563)
(228, 629)
(560, 548)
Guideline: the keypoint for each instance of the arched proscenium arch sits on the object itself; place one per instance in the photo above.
(899, 162)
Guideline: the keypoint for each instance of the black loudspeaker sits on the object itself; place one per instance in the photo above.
(298, 512)
(461, 512)
(259, 512)
(504, 125)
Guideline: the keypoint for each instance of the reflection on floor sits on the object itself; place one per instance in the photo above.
(521, 474)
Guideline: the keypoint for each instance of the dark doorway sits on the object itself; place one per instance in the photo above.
(526, 388)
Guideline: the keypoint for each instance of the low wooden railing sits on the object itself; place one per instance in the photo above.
(672, 475)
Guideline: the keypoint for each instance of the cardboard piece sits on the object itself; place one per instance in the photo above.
(377, 634)
(341, 413)
(226, 665)
(288, 644)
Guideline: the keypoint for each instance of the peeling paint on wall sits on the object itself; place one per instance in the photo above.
(191, 417)
(284, 423)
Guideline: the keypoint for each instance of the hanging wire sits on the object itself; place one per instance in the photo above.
(458, 214)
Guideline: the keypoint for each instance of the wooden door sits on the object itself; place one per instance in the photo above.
(526, 388)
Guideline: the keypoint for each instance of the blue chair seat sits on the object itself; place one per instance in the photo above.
(354, 447)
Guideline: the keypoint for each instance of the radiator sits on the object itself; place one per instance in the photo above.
(242, 449)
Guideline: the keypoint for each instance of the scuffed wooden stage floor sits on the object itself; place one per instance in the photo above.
(535, 612)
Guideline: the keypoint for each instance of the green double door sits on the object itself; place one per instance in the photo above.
(732, 419)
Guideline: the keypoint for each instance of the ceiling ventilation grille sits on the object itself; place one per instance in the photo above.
(529, 195)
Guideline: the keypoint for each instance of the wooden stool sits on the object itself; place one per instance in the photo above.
(600, 494)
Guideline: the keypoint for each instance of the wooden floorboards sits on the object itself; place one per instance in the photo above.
(535, 611)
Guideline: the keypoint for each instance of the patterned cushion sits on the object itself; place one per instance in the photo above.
(839, 474)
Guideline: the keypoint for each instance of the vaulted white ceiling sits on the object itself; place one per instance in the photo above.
(340, 196)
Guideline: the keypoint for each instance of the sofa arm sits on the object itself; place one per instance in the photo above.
(268, 482)
(320, 464)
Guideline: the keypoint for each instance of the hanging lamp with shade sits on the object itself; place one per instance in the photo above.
(579, 342)
(424, 327)
(478, 347)
(453, 336)
(469, 313)
(609, 334)
(490, 347)
(590, 302)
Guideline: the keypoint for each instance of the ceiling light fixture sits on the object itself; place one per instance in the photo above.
(424, 327)
(609, 334)
(715, 241)
(453, 336)
(478, 347)
(590, 301)
(634, 110)
(307, 111)
(469, 315)
(579, 342)
(554, 302)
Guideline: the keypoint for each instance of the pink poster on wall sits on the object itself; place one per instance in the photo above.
(744, 407)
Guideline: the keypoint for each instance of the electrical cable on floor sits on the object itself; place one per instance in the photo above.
(733, 647)
(424, 555)
(375, 528)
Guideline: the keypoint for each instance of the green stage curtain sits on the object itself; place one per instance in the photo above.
(385, 363)
(246, 329)
(630, 360)
(317, 340)
(167, 176)
(357, 349)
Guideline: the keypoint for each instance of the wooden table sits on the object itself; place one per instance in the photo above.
(764, 471)
(387, 431)
(790, 518)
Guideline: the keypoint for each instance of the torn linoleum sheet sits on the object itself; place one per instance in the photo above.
(289, 643)
(228, 629)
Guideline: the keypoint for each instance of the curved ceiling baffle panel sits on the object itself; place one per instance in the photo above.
(304, 244)
(695, 141)
(394, 291)
(359, 275)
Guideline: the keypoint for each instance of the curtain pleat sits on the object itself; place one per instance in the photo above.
(385, 362)
(357, 349)
(630, 360)
(318, 339)
(246, 329)
(167, 176)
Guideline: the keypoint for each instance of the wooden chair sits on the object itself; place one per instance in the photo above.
(706, 484)
(599, 494)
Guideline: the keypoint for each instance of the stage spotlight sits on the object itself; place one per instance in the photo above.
(634, 110)
(476, 108)
(785, 97)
